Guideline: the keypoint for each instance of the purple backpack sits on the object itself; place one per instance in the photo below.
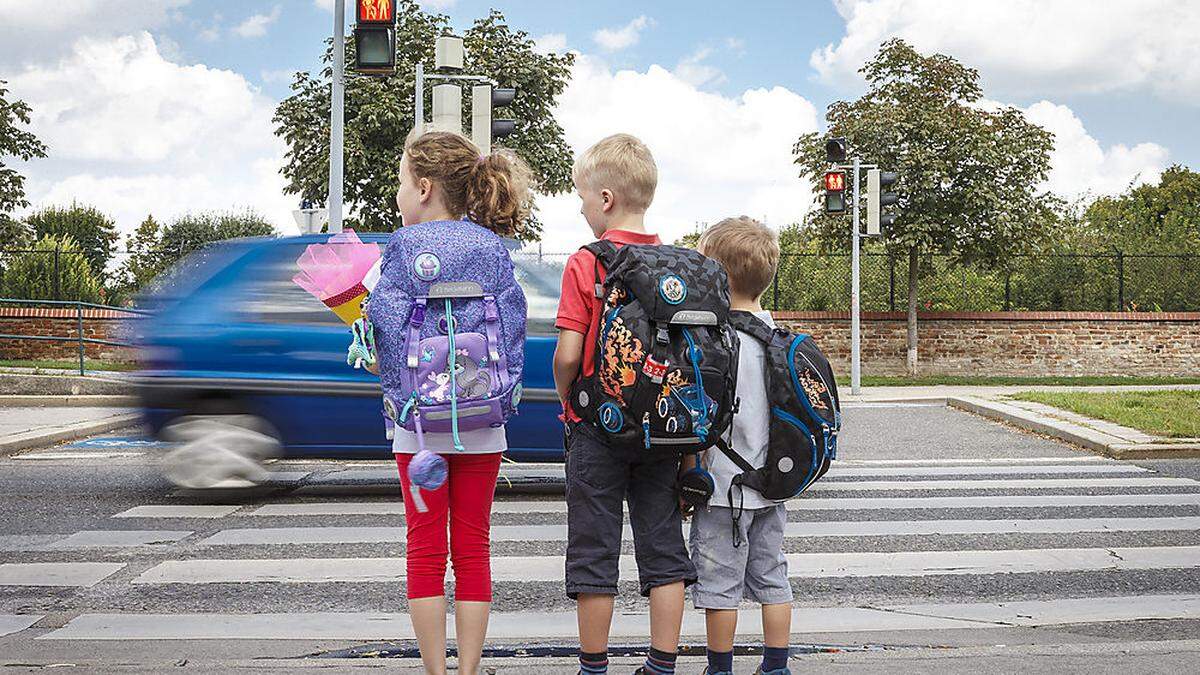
(449, 322)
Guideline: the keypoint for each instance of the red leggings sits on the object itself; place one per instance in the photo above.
(464, 504)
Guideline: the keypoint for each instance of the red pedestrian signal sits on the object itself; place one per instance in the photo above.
(835, 181)
(375, 11)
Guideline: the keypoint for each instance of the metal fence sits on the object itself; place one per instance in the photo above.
(1114, 281)
(79, 337)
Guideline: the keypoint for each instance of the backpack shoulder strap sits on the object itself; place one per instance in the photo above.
(733, 455)
(605, 252)
(751, 325)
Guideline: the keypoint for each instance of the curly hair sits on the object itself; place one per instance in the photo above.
(492, 190)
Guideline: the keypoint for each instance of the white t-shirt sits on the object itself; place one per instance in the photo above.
(474, 442)
(750, 426)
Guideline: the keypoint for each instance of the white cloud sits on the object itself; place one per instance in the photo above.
(693, 69)
(616, 39)
(256, 25)
(1034, 47)
(31, 30)
(133, 133)
(717, 156)
(550, 43)
(1080, 166)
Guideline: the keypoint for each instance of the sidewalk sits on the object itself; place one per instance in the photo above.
(22, 428)
(945, 392)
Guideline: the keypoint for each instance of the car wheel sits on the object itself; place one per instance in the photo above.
(219, 451)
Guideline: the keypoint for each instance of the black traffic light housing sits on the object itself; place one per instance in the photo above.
(835, 191)
(836, 150)
(375, 37)
(502, 97)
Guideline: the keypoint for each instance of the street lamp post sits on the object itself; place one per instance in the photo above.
(337, 117)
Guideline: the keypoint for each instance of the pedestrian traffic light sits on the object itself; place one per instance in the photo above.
(877, 199)
(375, 37)
(835, 191)
(836, 150)
(484, 100)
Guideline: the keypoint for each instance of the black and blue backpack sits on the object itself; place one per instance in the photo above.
(806, 413)
(666, 354)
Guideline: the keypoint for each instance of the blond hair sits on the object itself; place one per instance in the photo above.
(620, 163)
(491, 190)
(748, 250)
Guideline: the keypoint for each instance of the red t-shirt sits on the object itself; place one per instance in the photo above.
(578, 307)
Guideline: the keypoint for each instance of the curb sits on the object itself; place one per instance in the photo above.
(36, 439)
(1089, 439)
(64, 400)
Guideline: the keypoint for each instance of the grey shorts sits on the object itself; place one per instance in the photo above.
(600, 480)
(756, 570)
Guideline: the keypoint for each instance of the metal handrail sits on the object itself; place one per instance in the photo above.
(79, 337)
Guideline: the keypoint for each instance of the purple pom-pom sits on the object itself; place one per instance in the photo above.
(428, 470)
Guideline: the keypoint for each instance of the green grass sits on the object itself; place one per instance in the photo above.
(1173, 414)
(66, 364)
(1005, 381)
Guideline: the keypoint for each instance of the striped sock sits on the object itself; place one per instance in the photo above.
(659, 662)
(593, 664)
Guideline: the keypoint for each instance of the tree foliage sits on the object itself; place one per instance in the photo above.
(92, 231)
(379, 113)
(32, 275)
(19, 143)
(970, 174)
(1149, 218)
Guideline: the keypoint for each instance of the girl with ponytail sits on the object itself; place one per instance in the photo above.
(455, 204)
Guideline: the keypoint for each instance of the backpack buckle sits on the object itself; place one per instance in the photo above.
(418, 315)
(599, 291)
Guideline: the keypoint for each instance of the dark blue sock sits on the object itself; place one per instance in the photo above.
(593, 664)
(659, 662)
(774, 658)
(720, 662)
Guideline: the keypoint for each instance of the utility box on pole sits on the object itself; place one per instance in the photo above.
(448, 53)
(447, 108)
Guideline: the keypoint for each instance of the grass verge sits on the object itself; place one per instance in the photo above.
(1006, 381)
(67, 364)
(1173, 414)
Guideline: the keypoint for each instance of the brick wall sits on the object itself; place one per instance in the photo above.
(1014, 343)
(98, 324)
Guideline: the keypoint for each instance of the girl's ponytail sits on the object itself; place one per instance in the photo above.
(498, 194)
(492, 190)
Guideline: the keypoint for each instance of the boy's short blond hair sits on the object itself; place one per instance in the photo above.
(620, 163)
(749, 251)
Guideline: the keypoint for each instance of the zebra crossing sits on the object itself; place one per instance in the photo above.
(878, 545)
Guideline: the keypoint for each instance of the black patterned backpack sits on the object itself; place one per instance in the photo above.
(806, 414)
(666, 355)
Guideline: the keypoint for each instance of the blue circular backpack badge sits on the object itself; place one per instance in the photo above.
(672, 289)
(427, 266)
(611, 418)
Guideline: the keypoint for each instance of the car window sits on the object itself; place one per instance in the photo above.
(272, 296)
(541, 279)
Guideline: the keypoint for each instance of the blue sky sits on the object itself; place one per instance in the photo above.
(165, 106)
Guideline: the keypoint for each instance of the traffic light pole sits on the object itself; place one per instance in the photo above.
(855, 333)
(337, 117)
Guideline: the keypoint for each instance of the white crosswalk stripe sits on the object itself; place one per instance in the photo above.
(1121, 518)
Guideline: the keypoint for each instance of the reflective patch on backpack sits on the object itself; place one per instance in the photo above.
(427, 266)
(611, 418)
(516, 394)
(672, 289)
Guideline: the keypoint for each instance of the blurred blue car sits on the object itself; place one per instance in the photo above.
(239, 364)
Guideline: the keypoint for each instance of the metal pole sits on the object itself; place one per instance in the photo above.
(855, 329)
(57, 273)
(419, 99)
(79, 326)
(336, 117)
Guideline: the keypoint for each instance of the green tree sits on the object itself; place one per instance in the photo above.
(144, 259)
(32, 276)
(1150, 218)
(94, 233)
(969, 174)
(19, 143)
(379, 113)
(195, 231)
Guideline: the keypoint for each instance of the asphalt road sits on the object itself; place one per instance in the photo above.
(939, 540)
